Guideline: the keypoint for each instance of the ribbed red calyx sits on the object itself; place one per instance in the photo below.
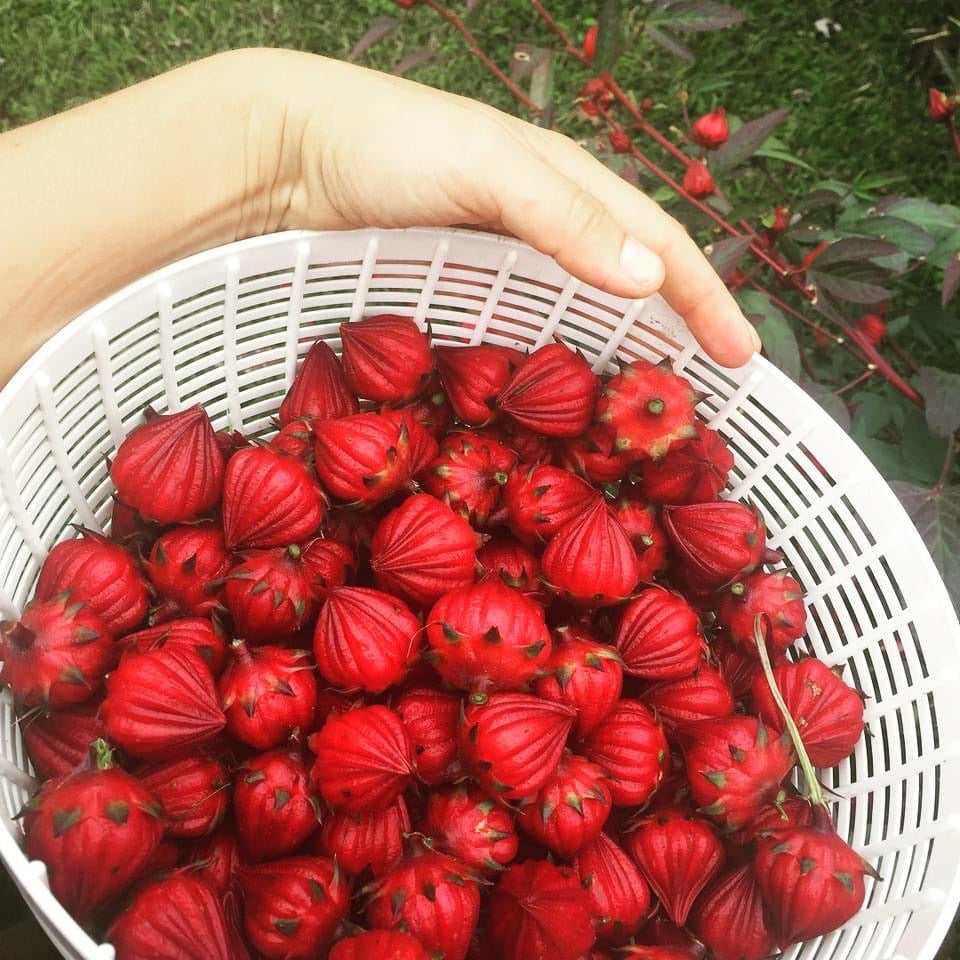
(487, 637)
(319, 390)
(268, 694)
(431, 717)
(694, 472)
(170, 469)
(538, 500)
(641, 524)
(365, 639)
(270, 595)
(735, 766)
(553, 391)
(330, 564)
(618, 895)
(364, 759)
(539, 910)
(739, 666)
(465, 823)
(594, 455)
(295, 439)
(590, 558)
(293, 907)
(531, 447)
(216, 859)
(512, 742)
(201, 636)
(194, 792)
(730, 917)
(659, 636)
(431, 409)
(59, 741)
(629, 744)
(368, 841)
(57, 654)
(422, 549)
(274, 808)
(715, 543)
(270, 499)
(469, 474)
(379, 943)
(95, 570)
(570, 809)
(702, 695)
(161, 702)
(431, 896)
(776, 595)
(583, 674)
(386, 358)
(185, 566)
(678, 855)
(95, 830)
(649, 408)
(179, 916)
(506, 559)
(827, 712)
(473, 377)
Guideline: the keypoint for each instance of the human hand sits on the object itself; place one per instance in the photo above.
(362, 148)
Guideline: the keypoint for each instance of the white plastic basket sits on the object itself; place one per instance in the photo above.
(225, 329)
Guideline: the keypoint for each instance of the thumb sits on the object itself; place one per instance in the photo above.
(558, 217)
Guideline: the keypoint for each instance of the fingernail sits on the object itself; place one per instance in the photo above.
(641, 264)
(754, 337)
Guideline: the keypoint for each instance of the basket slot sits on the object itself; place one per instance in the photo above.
(293, 313)
(11, 496)
(556, 314)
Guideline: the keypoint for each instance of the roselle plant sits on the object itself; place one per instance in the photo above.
(851, 285)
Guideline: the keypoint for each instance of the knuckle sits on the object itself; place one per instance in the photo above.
(585, 215)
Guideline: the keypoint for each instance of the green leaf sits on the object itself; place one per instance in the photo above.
(726, 254)
(830, 402)
(941, 394)
(609, 36)
(951, 279)
(938, 220)
(663, 39)
(922, 452)
(944, 250)
(775, 153)
(872, 414)
(906, 235)
(937, 518)
(779, 340)
(745, 141)
(377, 31)
(698, 16)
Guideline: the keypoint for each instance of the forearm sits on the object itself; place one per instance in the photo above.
(101, 195)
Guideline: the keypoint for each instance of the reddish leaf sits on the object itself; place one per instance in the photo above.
(378, 30)
(853, 291)
(941, 397)
(726, 254)
(951, 279)
(747, 139)
(695, 16)
(415, 59)
(663, 39)
(855, 249)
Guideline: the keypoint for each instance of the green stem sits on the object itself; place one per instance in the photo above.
(102, 754)
(813, 785)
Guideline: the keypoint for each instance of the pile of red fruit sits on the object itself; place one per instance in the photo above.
(478, 666)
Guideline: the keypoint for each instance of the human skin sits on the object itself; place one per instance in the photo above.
(254, 141)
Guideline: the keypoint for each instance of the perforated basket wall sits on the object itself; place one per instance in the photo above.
(226, 328)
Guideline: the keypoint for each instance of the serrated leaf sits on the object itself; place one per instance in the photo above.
(663, 39)
(907, 236)
(853, 291)
(377, 31)
(951, 279)
(609, 35)
(779, 340)
(937, 518)
(726, 254)
(853, 249)
(747, 139)
(700, 16)
(941, 396)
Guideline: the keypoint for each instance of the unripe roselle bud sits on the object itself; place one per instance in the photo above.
(781, 219)
(711, 130)
(942, 107)
(620, 141)
(698, 181)
(872, 327)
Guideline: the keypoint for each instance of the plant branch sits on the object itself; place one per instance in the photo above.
(465, 32)
(856, 381)
(947, 465)
(954, 136)
(568, 44)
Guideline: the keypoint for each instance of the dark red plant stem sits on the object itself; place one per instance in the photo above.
(568, 44)
(797, 315)
(464, 31)
(947, 465)
(954, 136)
(856, 381)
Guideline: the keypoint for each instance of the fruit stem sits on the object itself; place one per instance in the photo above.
(102, 754)
(813, 785)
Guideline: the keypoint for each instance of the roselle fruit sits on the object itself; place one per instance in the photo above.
(170, 469)
(431, 896)
(538, 500)
(161, 702)
(270, 499)
(179, 916)
(474, 376)
(730, 917)
(711, 130)
(590, 559)
(267, 694)
(392, 944)
(216, 859)
(553, 391)
(422, 550)
(369, 841)
(431, 409)
(539, 910)
(95, 830)
(193, 791)
(185, 566)
(59, 741)
(96, 571)
(364, 759)
(385, 358)
(697, 180)
(641, 525)
(570, 809)
(512, 742)
(695, 472)
(319, 390)
(293, 907)
(659, 636)
(465, 823)
(617, 893)
(506, 559)
(365, 639)
(703, 695)
(487, 637)
(431, 718)
(295, 439)
(201, 636)
(594, 455)
(57, 654)
(330, 564)
(776, 595)
(677, 855)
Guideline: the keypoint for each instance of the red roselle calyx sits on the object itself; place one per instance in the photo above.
(170, 469)
(431, 718)
(474, 376)
(216, 858)
(386, 358)
(58, 742)
(203, 637)
(620, 141)
(95, 830)
(694, 472)
(194, 792)
(331, 564)
(775, 595)
(186, 567)
(659, 636)
(703, 695)
(538, 500)
(380, 943)
(730, 917)
(504, 558)
(319, 390)
(711, 130)
(640, 522)
(942, 107)
(370, 841)
(872, 327)
(698, 181)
